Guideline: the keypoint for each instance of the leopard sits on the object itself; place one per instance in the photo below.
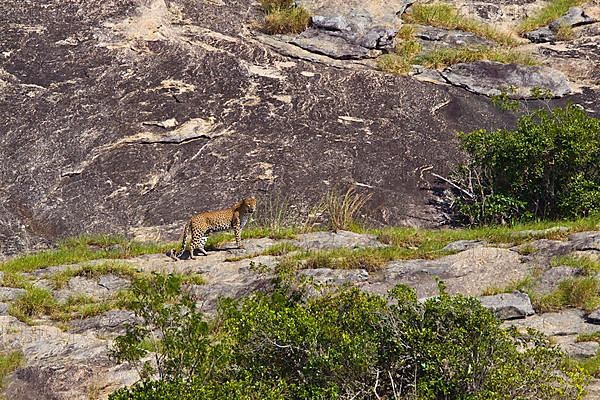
(201, 225)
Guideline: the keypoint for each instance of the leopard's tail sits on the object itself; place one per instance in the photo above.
(186, 232)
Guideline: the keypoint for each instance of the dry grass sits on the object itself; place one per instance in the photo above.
(444, 57)
(343, 209)
(282, 16)
(444, 15)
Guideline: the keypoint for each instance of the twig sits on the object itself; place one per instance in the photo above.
(471, 195)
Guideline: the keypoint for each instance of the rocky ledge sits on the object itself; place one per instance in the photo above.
(69, 360)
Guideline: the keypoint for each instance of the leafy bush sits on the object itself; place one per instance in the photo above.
(344, 344)
(547, 167)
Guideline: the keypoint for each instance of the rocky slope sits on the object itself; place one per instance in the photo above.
(127, 114)
(70, 360)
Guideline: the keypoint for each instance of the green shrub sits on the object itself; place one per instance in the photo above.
(547, 167)
(344, 344)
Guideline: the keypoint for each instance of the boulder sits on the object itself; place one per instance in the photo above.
(575, 16)
(549, 279)
(517, 81)
(10, 294)
(594, 317)
(331, 240)
(508, 305)
(575, 349)
(561, 323)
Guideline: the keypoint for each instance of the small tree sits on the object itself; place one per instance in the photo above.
(547, 167)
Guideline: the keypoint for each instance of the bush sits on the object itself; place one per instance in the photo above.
(344, 344)
(547, 167)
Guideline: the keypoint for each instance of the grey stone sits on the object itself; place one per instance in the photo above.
(113, 283)
(541, 35)
(335, 277)
(578, 350)
(517, 81)
(575, 16)
(3, 308)
(469, 272)
(432, 37)
(377, 39)
(550, 279)
(111, 322)
(508, 305)
(562, 323)
(462, 245)
(10, 294)
(585, 241)
(330, 240)
(334, 23)
(594, 317)
(337, 47)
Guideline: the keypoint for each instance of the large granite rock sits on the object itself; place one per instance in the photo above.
(508, 305)
(121, 115)
(517, 81)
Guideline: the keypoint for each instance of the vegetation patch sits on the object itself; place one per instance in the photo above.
(283, 16)
(91, 271)
(546, 168)
(523, 285)
(83, 248)
(345, 344)
(34, 303)
(445, 56)
(552, 10)
(583, 292)
(588, 266)
(9, 362)
(444, 15)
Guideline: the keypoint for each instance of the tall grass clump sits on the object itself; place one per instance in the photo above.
(9, 362)
(343, 209)
(552, 10)
(444, 15)
(282, 16)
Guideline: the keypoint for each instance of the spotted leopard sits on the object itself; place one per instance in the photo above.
(200, 225)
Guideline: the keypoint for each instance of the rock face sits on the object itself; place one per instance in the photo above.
(508, 305)
(517, 81)
(123, 115)
(574, 17)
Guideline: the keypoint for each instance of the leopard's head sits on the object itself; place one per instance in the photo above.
(249, 203)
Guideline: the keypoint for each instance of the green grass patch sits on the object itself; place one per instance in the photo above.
(33, 304)
(9, 362)
(588, 337)
(591, 365)
(552, 10)
(14, 280)
(282, 16)
(60, 279)
(583, 293)
(588, 266)
(83, 248)
(445, 56)
(523, 285)
(431, 239)
(444, 15)
(280, 249)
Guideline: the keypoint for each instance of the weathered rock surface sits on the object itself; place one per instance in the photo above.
(549, 280)
(517, 81)
(508, 305)
(594, 317)
(469, 272)
(462, 245)
(576, 16)
(562, 323)
(432, 37)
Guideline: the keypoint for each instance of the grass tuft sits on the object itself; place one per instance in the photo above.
(588, 266)
(33, 304)
(60, 279)
(581, 292)
(83, 248)
(282, 16)
(343, 209)
(9, 362)
(554, 9)
(444, 57)
(444, 15)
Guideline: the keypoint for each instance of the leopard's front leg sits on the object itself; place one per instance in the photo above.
(237, 230)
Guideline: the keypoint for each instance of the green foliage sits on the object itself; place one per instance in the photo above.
(551, 11)
(83, 248)
(8, 363)
(90, 271)
(344, 344)
(588, 266)
(583, 292)
(171, 326)
(34, 303)
(547, 167)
